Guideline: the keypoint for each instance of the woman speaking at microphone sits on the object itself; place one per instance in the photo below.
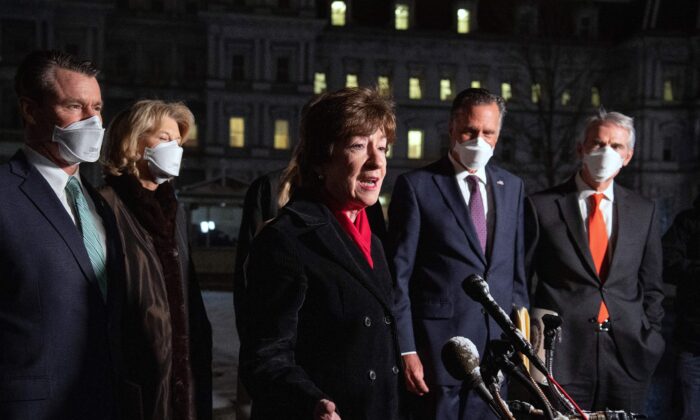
(319, 339)
(165, 333)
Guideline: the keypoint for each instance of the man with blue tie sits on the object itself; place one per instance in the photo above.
(59, 253)
(455, 217)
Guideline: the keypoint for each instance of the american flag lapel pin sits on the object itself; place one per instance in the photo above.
(499, 182)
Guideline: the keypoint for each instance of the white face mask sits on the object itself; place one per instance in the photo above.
(80, 141)
(602, 163)
(163, 161)
(474, 154)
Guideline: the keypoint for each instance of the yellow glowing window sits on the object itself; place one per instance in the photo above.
(595, 96)
(415, 90)
(445, 89)
(320, 83)
(401, 17)
(384, 85)
(281, 134)
(668, 91)
(475, 84)
(566, 98)
(462, 21)
(338, 9)
(351, 80)
(536, 93)
(506, 91)
(389, 148)
(236, 132)
(192, 137)
(415, 144)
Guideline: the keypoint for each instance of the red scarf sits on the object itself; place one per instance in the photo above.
(359, 231)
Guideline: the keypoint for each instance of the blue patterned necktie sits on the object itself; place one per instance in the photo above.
(86, 224)
(476, 210)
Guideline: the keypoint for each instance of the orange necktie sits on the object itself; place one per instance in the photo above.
(598, 242)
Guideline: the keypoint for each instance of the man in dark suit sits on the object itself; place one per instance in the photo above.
(59, 253)
(455, 217)
(597, 261)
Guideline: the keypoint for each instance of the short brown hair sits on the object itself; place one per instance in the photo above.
(35, 76)
(120, 151)
(330, 119)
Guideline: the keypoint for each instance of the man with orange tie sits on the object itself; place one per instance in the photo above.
(595, 252)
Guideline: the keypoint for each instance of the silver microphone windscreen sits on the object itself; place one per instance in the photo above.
(461, 358)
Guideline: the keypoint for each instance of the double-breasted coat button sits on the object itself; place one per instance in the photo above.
(368, 321)
(175, 253)
(395, 369)
(372, 375)
(387, 320)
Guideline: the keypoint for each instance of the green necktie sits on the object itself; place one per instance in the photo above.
(86, 224)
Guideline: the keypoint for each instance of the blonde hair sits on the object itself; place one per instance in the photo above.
(120, 151)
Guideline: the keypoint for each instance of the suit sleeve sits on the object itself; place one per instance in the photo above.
(679, 266)
(276, 291)
(650, 274)
(520, 289)
(402, 244)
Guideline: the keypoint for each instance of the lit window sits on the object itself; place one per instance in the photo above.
(384, 85)
(536, 93)
(389, 148)
(281, 134)
(338, 9)
(462, 21)
(351, 80)
(192, 137)
(415, 144)
(566, 98)
(236, 132)
(401, 15)
(445, 89)
(595, 96)
(506, 91)
(475, 84)
(320, 83)
(668, 91)
(415, 90)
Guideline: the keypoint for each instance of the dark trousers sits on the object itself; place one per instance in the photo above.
(450, 403)
(607, 385)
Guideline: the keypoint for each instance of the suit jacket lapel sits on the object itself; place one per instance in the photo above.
(447, 184)
(571, 214)
(625, 225)
(44, 199)
(498, 192)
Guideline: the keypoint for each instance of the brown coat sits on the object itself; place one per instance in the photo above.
(147, 326)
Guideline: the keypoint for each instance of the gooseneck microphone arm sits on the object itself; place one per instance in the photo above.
(477, 289)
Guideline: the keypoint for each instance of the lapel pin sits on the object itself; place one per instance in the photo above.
(499, 182)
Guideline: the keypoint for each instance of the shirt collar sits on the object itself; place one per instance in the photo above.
(584, 191)
(461, 172)
(52, 173)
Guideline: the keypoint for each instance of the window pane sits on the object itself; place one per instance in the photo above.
(319, 83)
(536, 93)
(462, 21)
(236, 131)
(384, 85)
(446, 90)
(566, 98)
(415, 144)
(595, 96)
(414, 88)
(351, 80)
(338, 9)
(506, 91)
(281, 134)
(668, 91)
(192, 137)
(401, 15)
(476, 84)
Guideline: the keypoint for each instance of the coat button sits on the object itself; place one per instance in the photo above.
(387, 320)
(368, 321)
(372, 375)
(175, 253)
(395, 369)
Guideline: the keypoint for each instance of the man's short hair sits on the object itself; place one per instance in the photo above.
(36, 74)
(616, 118)
(477, 96)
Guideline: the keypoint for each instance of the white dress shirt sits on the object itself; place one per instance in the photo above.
(58, 179)
(606, 208)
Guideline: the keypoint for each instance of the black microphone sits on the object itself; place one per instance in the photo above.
(476, 288)
(461, 359)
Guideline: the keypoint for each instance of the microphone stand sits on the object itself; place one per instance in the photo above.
(552, 324)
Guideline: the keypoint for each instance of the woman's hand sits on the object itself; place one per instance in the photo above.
(325, 410)
(413, 371)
